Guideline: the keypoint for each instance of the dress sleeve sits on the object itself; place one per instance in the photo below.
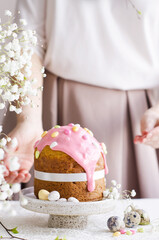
(34, 12)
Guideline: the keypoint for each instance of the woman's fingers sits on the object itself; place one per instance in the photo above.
(11, 177)
(151, 138)
(27, 178)
(19, 178)
(23, 176)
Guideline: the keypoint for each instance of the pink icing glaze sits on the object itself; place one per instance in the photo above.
(85, 151)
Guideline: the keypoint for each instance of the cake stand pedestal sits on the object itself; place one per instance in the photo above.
(65, 214)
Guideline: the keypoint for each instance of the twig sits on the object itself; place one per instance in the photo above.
(11, 236)
(137, 11)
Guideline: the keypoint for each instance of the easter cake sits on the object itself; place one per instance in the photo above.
(68, 159)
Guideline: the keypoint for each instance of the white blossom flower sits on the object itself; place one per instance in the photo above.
(14, 88)
(8, 139)
(3, 196)
(26, 101)
(133, 193)
(13, 164)
(23, 201)
(14, 143)
(16, 50)
(113, 182)
(16, 187)
(106, 193)
(13, 27)
(18, 110)
(118, 186)
(8, 13)
(2, 58)
(1, 128)
(115, 190)
(2, 170)
(3, 142)
(110, 196)
(1, 154)
(12, 108)
(11, 54)
(23, 22)
(42, 70)
(2, 105)
(8, 46)
(5, 187)
(9, 192)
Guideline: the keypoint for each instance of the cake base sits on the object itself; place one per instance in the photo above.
(65, 214)
(57, 221)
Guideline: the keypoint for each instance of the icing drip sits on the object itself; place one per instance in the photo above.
(77, 143)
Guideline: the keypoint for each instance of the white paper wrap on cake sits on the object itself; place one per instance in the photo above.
(67, 177)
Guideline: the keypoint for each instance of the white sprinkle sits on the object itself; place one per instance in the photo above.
(53, 144)
(96, 144)
(23, 201)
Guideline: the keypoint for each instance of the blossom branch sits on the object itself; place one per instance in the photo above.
(8, 231)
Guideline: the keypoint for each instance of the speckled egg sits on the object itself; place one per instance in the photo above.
(132, 219)
(72, 199)
(145, 220)
(115, 224)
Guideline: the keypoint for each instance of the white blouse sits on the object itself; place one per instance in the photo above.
(99, 42)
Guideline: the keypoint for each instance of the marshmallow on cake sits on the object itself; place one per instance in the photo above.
(68, 159)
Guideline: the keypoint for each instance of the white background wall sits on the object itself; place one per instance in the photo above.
(6, 5)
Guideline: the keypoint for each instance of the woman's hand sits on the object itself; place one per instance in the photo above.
(149, 128)
(26, 134)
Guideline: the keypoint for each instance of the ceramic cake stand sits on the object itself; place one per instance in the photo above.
(65, 214)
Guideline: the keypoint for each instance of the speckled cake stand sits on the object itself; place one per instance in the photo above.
(65, 214)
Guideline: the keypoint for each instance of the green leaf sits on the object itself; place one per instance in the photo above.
(57, 238)
(14, 230)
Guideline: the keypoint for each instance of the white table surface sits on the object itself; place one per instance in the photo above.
(33, 226)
